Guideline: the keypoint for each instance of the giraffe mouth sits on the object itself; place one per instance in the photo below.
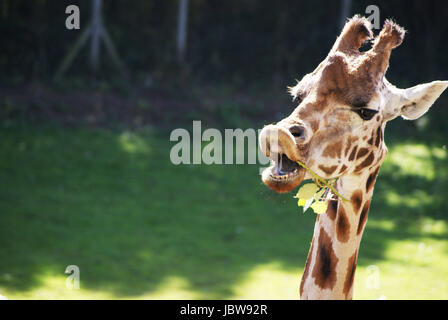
(283, 175)
(284, 168)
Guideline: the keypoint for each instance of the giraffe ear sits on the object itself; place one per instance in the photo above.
(415, 101)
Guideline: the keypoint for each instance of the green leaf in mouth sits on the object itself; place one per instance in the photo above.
(316, 194)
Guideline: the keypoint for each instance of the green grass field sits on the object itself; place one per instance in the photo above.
(110, 202)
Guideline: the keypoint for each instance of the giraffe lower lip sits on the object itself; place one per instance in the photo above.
(283, 177)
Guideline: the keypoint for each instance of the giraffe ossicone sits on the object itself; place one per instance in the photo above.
(337, 130)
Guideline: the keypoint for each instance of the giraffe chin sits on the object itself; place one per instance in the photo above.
(282, 183)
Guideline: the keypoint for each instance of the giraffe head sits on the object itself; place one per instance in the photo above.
(342, 108)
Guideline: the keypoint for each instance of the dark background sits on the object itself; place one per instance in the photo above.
(228, 41)
(240, 55)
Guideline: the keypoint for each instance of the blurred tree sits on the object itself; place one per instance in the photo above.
(95, 28)
(182, 30)
(233, 41)
(97, 31)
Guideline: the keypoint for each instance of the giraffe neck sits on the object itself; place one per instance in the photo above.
(331, 263)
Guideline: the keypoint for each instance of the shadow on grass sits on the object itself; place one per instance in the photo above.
(113, 204)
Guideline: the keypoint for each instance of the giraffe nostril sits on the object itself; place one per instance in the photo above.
(297, 131)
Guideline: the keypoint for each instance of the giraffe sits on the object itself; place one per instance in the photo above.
(337, 130)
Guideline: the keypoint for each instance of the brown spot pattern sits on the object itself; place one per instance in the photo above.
(362, 152)
(356, 200)
(343, 168)
(332, 209)
(379, 136)
(349, 144)
(342, 226)
(352, 155)
(333, 150)
(363, 217)
(371, 180)
(351, 268)
(328, 170)
(324, 271)
(307, 267)
(367, 162)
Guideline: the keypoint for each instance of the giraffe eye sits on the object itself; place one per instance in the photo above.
(366, 114)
